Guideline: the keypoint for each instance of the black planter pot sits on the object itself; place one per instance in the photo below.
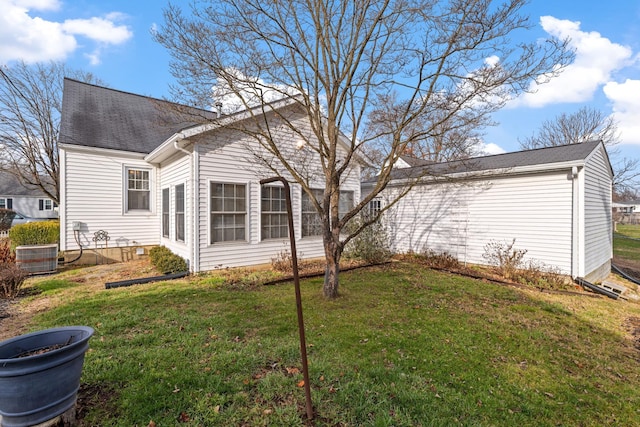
(39, 387)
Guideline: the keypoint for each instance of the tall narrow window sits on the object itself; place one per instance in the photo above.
(228, 212)
(345, 203)
(165, 212)
(375, 206)
(138, 190)
(180, 213)
(311, 223)
(274, 219)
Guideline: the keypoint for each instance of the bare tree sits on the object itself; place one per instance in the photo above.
(30, 104)
(588, 124)
(347, 62)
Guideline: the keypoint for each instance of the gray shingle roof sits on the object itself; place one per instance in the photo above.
(539, 156)
(11, 186)
(100, 117)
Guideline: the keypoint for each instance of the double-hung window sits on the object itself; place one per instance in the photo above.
(228, 212)
(311, 223)
(179, 212)
(274, 219)
(138, 190)
(45, 204)
(165, 212)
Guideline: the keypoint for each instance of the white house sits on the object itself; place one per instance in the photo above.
(556, 203)
(31, 203)
(131, 168)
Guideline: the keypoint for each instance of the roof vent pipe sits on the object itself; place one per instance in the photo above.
(218, 106)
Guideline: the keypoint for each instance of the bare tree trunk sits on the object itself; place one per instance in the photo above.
(332, 252)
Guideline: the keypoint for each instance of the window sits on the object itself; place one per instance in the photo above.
(180, 213)
(375, 206)
(311, 223)
(6, 203)
(45, 204)
(138, 190)
(228, 212)
(165, 212)
(274, 218)
(346, 202)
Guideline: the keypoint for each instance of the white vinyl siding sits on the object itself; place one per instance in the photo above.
(28, 206)
(174, 172)
(461, 219)
(93, 195)
(225, 157)
(598, 240)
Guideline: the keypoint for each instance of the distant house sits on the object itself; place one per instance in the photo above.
(556, 203)
(28, 202)
(131, 168)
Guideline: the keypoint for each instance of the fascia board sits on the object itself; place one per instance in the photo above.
(101, 151)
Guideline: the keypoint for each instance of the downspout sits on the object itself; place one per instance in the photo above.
(195, 169)
(194, 235)
(575, 222)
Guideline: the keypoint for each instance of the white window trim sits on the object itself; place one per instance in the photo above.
(125, 191)
(247, 220)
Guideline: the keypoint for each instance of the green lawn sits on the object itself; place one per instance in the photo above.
(402, 346)
(624, 243)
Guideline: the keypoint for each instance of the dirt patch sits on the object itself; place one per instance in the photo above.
(16, 314)
(632, 325)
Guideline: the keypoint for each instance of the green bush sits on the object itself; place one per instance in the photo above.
(35, 233)
(166, 261)
(371, 244)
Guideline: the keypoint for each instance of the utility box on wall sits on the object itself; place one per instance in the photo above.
(37, 258)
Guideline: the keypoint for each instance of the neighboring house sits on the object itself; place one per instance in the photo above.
(132, 168)
(556, 203)
(627, 207)
(31, 203)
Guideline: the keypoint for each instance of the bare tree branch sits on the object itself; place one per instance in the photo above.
(395, 75)
(30, 105)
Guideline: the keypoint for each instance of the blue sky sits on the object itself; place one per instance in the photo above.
(112, 39)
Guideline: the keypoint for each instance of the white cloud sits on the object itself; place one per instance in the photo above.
(98, 29)
(626, 108)
(30, 38)
(487, 149)
(596, 58)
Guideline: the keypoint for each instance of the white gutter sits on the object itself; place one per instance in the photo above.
(461, 176)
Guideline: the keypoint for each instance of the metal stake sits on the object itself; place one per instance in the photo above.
(296, 281)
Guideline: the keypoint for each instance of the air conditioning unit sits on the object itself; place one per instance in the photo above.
(37, 258)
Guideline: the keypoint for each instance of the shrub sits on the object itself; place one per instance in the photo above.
(371, 244)
(283, 262)
(35, 233)
(166, 261)
(6, 254)
(440, 260)
(11, 280)
(539, 274)
(505, 257)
